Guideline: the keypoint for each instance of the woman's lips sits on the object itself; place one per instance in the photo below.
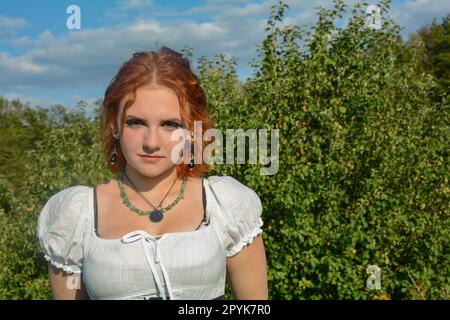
(150, 158)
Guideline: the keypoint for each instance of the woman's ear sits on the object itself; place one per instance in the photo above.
(118, 125)
(115, 126)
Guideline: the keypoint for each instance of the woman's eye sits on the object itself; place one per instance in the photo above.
(172, 124)
(132, 123)
(135, 123)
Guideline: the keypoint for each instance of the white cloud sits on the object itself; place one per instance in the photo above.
(205, 31)
(20, 64)
(135, 4)
(414, 14)
(24, 41)
(12, 23)
(92, 56)
(426, 6)
(33, 101)
(8, 26)
(145, 26)
(121, 12)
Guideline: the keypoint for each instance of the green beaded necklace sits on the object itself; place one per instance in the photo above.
(157, 213)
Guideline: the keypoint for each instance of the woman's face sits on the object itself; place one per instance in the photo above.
(149, 125)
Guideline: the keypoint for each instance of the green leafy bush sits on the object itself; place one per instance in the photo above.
(364, 168)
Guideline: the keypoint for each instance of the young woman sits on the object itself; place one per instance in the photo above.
(160, 230)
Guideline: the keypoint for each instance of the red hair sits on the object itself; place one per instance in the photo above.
(165, 68)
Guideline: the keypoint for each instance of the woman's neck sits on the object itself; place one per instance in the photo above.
(151, 185)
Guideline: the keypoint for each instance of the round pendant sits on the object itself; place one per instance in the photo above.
(156, 216)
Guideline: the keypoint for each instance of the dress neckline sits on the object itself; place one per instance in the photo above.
(157, 238)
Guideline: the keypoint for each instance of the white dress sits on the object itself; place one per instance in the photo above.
(180, 265)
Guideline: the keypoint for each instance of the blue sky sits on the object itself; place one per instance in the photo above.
(43, 62)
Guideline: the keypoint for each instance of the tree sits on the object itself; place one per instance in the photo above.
(432, 45)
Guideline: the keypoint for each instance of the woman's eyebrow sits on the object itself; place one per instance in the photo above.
(143, 120)
(172, 119)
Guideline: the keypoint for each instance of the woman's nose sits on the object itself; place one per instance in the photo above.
(151, 140)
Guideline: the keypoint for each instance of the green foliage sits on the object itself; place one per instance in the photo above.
(67, 153)
(364, 163)
(363, 175)
(69, 156)
(22, 275)
(430, 45)
(20, 128)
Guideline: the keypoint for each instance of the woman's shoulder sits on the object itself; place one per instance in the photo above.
(60, 227)
(229, 189)
(67, 201)
(229, 183)
(238, 209)
(73, 190)
(69, 195)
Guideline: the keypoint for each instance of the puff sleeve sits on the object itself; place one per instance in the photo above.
(61, 226)
(239, 209)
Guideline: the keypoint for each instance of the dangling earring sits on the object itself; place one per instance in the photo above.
(114, 155)
(191, 162)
